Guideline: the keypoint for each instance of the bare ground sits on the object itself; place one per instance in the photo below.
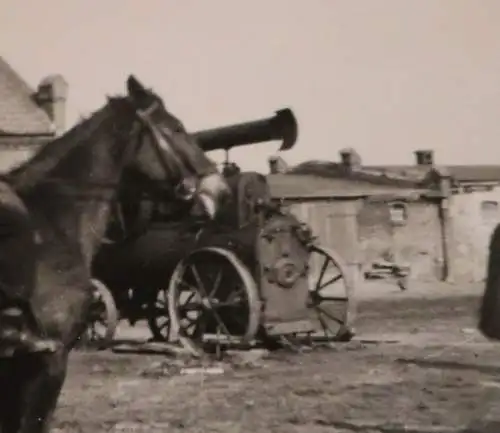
(418, 365)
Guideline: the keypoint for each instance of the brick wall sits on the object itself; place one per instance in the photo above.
(471, 230)
(418, 242)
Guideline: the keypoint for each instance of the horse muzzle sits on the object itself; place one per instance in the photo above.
(211, 195)
(186, 190)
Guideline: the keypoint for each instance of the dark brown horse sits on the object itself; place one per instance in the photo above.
(489, 313)
(68, 189)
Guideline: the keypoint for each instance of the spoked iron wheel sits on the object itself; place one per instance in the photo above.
(158, 317)
(213, 301)
(330, 289)
(103, 318)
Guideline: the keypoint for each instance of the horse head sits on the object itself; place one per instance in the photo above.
(168, 158)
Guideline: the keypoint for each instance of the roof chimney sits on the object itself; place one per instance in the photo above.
(277, 165)
(424, 157)
(51, 96)
(350, 158)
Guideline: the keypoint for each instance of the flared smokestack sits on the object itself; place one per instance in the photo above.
(282, 126)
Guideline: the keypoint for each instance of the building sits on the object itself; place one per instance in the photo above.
(438, 219)
(28, 118)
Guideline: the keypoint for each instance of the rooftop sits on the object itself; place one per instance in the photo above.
(311, 186)
(19, 113)
(350, 167)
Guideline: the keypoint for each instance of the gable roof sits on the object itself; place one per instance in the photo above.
(19, 114)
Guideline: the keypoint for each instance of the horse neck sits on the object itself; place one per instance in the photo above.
(70, 200)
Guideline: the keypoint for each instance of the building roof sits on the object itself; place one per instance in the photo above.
(310, 186)
(401, 175)
(461, 173)
(410, 177)
(19, 113)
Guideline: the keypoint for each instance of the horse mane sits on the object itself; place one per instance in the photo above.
(48, 156)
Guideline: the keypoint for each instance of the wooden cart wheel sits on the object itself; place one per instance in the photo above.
(103, 318)
(158, 317)
(330, 290)
(213, 301)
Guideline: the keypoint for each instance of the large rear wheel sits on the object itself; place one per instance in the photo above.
(213, 301)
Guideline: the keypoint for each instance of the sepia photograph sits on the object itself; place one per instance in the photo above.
(277, 216)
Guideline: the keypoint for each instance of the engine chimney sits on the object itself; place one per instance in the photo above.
(424, 157)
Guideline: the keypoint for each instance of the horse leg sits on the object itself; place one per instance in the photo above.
(33, 390)
(19, 330)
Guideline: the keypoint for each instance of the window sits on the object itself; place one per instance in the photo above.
(398, 213)
(489, 211)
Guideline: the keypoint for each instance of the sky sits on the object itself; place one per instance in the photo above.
(385, 77)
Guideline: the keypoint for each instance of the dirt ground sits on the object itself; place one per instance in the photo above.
(417, 365)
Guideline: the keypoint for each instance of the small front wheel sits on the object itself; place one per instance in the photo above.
(330, 290)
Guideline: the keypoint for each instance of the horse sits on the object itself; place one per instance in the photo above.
(489, 310)
(68, 188)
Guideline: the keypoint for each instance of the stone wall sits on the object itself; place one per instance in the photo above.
(417, 242)
(422, 241)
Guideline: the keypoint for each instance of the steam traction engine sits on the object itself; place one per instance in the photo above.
(254, 274)
(263, 280)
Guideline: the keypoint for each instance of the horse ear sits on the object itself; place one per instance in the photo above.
(135, 89)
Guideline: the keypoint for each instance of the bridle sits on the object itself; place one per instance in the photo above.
(186, 187)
